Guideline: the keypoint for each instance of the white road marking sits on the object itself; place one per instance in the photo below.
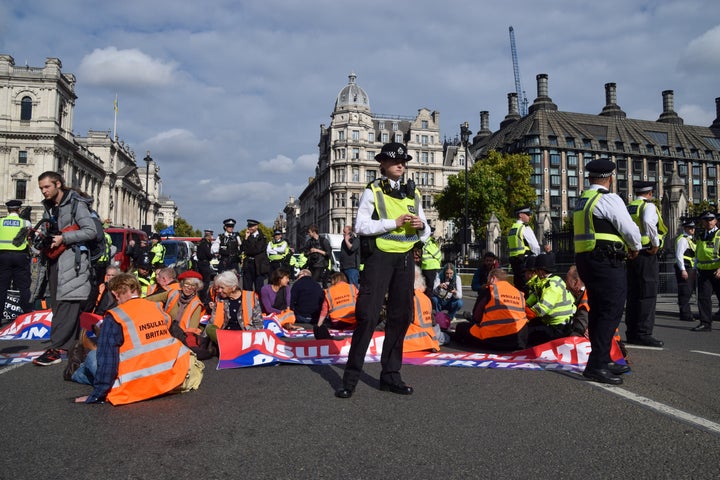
(12, 367)
(706, 353)
(700, 422)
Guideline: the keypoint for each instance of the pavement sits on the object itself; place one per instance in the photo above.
(283, 422)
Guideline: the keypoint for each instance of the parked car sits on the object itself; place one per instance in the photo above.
(120, 238)
(178, 254)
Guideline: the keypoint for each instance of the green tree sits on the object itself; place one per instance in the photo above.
(182, 228)
(497, 184)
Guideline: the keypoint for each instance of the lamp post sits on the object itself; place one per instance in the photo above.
(464, 138)
(354, 200)
(148, 160)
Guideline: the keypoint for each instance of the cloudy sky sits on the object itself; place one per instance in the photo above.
(229, 95)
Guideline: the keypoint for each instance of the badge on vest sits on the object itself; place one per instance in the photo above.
(411, 209)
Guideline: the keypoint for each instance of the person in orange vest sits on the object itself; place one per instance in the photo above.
(183, 305)
(339, 304)
(105, 299)
(136, 357)
(423, 333)
(233, 309)
(501, 322)
(166, 279)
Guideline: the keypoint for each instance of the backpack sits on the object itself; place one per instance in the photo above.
(98, 247)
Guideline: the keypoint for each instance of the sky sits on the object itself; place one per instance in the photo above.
(228, 96)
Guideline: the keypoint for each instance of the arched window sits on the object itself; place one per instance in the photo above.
(26, 108)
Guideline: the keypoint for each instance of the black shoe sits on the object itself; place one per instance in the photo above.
(703, 327)
(399, 388)
(602, 375)
(344, 392)
(617, 369)
(647, 341)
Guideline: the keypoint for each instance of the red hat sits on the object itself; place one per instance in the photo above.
(189, 274)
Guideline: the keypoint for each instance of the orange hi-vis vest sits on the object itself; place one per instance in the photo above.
(248, 301)
(341, 299)
(286, 317)
(421, 334)
(152, 362)
(504, 313)
(184, 320)
(582, 302)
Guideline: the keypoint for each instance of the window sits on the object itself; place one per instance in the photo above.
(398, 137)
(432, 157)
(570, 142)
(619, 146)
(384, 137)
(341, 135)
(426, 202)
(423, 178)
(370, 175)
(682, 169)
(424, 124)
(355, 174)
(340, 175)
(552, 140)
(370, 155)
(424, 157)
(461, 160)
(381, 125)
(554, 180)
(26, 108)
(356, 135)
(371, 137)
(342, 154)
(572, 182)
(710, 171)
(587, 158)
(356, 153)
(587, 143)
(572, 159)
(395, 126)
(21, 189)
(536, 180)
(431, 178)
(603, 145)
(554, 158)
(22, 156)
(424, 139)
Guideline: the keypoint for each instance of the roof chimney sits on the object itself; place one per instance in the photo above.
(484, 127)
(669, 115)
(716, 123)
(513, 115)
(543, 101)
(611, 108)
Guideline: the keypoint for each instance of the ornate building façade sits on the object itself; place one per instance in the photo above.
(36, 135)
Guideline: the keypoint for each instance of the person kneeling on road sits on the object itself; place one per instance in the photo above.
(551, 306)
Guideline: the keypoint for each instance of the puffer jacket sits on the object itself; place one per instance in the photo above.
(73, 285)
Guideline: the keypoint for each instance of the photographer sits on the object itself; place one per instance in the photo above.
(318, 250)
(447, 291)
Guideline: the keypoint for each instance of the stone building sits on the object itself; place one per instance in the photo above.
(683, 159)
(346, 163)
(36, 135)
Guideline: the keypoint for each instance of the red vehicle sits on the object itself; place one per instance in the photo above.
(120, 239)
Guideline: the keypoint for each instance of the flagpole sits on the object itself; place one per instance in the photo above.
(115, 109)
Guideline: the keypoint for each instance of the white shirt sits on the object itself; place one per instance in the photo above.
(531, 240)
(681, 246)
(457, 287)
(612, 208)
(650, 221)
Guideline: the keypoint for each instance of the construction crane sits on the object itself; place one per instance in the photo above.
(522, 99)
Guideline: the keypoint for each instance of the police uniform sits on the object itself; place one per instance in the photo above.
(521, 245)
(643, 271)
(708, 265)
(603, 232)
(255, 266)
(157, 252)
(277, 251)
(204, 256)
(685, 262)
(430, 263)
(387, 252)
(14, 259)
(227, 246)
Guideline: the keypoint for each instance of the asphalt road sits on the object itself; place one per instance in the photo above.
(284, 422)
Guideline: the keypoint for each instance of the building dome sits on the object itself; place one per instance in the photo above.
(352, 96)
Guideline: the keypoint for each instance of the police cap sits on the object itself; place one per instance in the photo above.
(252, 223)
(14, 204)
(208, 232)
(601, 168)
(229, 222)
(155, 236)
(545, 262)
(524, 209)
(643, 187)
(393, 151)
(277, 232)
(689, 223)
(708, 216)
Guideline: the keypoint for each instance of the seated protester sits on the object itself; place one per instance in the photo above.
(183, 306)
(136, 357)
(576, 286)
(146, 278)
(479, 280)
(422, 334)
(306, 298)
(447, 291)
(550, 307)
(339, 304)
(275, 298)
(233, 309)
(166, 279)
(105, 299)
(500, 323)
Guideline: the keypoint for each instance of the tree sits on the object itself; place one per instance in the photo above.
(497, 184)
(182, 228)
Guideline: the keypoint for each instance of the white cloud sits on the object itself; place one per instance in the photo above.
(281, 164)
(113, 68)
(702, 53)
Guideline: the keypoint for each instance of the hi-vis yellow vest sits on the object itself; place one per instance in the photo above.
(708, 251)
(401, 239)
(10, 226)
(585, 236)
(636, 209)
(516, 240)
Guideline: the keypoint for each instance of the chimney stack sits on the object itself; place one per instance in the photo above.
(669, 115)
(611, 108)
(543, 100)
(716, 123)
(513, 114)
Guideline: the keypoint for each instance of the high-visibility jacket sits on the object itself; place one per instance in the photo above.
(341, 299)
(147, 284)
(431, 255)
(555, 305)
(280, 247)
(421, 334)
(516, 240)
(504, 313)
(286, 317)
(708, 251)
(588, 229)
(636, 209)
(248, 303)
(689, 253)
(104, 259)
(194, 309)
(403, 238)
(152, 362)
(582, 303)
(158, 254)
(10, 226)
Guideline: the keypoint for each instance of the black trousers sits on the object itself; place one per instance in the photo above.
(685, 287)
(707, 285)
(517, 263)
(251, 280)
(15, 269)
(430, 276)
(605, 282)
(385, 273)
(642, 285)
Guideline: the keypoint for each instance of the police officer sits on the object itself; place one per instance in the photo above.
(255, 265)
(390, 220)
(604, 234)
(521, 244)
(277, 250)
(227, 246)
(643, 271)
(204, 256)
(708, 264)
(14, 259)
(685, 268)
(430, 262)
(157, 252)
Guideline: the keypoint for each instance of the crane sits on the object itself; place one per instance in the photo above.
(522, 99)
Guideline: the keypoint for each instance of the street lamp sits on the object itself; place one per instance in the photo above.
(148, 160)
(354, 200)
(464, 138)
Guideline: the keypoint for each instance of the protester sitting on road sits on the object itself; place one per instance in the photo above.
(499, 323)
(339, 304)
(447, 291)
(233, 309)
(306, 298)
(136, 357)
(105, 299)
(275, 296)
(183, 305)
(576, 286)
(479, 280)
(423, 333)
(550, 307)
(166, 279)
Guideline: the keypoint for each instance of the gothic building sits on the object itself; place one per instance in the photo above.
(684, 160)
(36, 135)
